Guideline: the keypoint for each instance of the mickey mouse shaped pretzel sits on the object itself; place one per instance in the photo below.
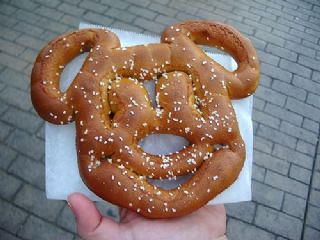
(112, 111)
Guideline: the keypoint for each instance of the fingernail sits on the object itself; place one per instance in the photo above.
(70, 206)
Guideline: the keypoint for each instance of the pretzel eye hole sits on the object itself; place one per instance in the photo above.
(166, 144)
(210, 50)
(70, 71)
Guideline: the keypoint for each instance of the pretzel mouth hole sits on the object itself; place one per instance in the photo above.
(163, 144)
(211, 50)
(169, 184)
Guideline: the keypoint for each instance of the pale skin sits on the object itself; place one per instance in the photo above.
(207, 223)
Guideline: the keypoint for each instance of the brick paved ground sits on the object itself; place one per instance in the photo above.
(286, 172)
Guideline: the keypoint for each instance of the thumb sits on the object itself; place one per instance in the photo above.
(90, 223)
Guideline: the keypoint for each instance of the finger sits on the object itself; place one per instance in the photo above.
(90, 223)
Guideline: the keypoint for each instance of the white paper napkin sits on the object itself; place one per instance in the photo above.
(62, 175)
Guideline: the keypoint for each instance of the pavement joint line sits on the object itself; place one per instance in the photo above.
(309, 189)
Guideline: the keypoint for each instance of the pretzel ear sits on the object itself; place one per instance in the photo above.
(243, 81)
(51, 104)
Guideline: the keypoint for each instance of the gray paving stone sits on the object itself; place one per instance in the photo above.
(244, 211)
(258, 173)
(276, 136)
(35, 201)
(283, 114)
(294, 206)
(183, 6)
(5, 130)
(146, 13)
(71, 9)
(142, 3)
(22, 120)
(30, 56)
(314, 197)
(49, 3)
(270, 162)
(258, 43)
(97, 18)
(8, 185)
(12, 62)
(262, 144)
(66, 220)
(313, 100)
(7, 9)
(310, 125)
(70, 20)
(316, 76)
(298, 132)
(316, 180)
(240, 230)
(295, 68)
(278, 222)
(29, 170)
(117, 4)
(276, 72)
(310, 233)
(258, 103)
(270, 38)
(306, 84)
(306, 148)
(292, 156)
(51, 25)
(17, 98)
(289, 23)
(286, 36)
(49, 12)
(313, 217)
(280, 27)
(270, 95)
(268, 58)
(298, 48)
(165, 20)
(31, 42)
(9, 33)
(256, 24)
(289, 90)
(26, 16)
(44, 230)
(300, 174)
(10, 47)
(309, 62)
(267, 195)
(303, 109)
(282, 52)
(266, 119)
(12, 218)
(162, 9)
(148, 25)
(286, 184)
(7, 236)
(6, 155)
(95, 7)
(118, 14)
(26, 144)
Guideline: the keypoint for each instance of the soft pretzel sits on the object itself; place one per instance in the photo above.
(112, 112)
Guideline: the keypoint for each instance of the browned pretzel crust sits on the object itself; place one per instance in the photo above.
(112, 111)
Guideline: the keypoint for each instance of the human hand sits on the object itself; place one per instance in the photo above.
(209, 222)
